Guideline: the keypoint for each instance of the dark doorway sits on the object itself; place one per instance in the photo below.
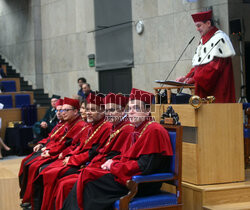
(113, 34)
(115, 81)
(247, 62)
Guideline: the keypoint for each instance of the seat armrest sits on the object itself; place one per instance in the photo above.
(153, 177)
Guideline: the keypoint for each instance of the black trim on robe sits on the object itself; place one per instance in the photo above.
(38, 193)
(103, 192)
(93, 151)
(70, 202)
(68, 142)
(112, 154)
(154, 163)
(21, 177)
(70, 171)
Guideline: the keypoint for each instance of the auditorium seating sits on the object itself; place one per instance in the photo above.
(19, 98)
(29, 114)
(165, 200)
(8, 86)
(15, 114)
(22, 99)
(6, 100)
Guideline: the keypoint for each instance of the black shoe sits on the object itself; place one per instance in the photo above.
(28, 208)
(25, 205)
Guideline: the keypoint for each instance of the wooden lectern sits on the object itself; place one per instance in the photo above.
(172, 85)
(213, 145)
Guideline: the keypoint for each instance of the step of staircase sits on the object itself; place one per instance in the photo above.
(216, 196)
(26, 87)
(229, 206)
(42, 101)
(197, 197)
(40, 98)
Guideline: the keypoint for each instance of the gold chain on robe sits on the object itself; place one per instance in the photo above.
(144, 128)
(58, 130)
(69, 130)
(116, 132)
(88, 139)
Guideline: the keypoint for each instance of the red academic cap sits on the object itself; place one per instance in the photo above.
(94, 99)
(59, 102)
(118, 99)
(141, 95)
(71, 102)
(202, 16)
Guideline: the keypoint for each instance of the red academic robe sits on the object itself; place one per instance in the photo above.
(151, 141)
(54, 134)
(37, 186)
(72, 130)
(91, 142)
(214, 78)
(62, 189)
(119, 142)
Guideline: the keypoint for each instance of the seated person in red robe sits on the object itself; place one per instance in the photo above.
(149, 153)
(71, 132)
(212, 71)
(56, 133)
(92, 139)
(119, 141)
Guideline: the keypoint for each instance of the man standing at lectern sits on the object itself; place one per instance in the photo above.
(212, 71)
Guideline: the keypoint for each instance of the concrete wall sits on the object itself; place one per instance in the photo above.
(17, 35)
(48, 43)
(64, 43)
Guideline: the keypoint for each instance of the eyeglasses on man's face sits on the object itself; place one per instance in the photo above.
(110, 110)
(66, 110)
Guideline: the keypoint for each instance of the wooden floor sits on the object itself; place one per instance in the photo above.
(9, 188)
(233, 196)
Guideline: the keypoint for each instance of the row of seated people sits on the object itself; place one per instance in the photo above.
(86, 160)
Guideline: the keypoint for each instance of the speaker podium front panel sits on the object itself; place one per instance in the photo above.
(213, 145)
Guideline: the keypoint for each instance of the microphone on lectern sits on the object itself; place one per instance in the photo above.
(191, 40)
(180, 57)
